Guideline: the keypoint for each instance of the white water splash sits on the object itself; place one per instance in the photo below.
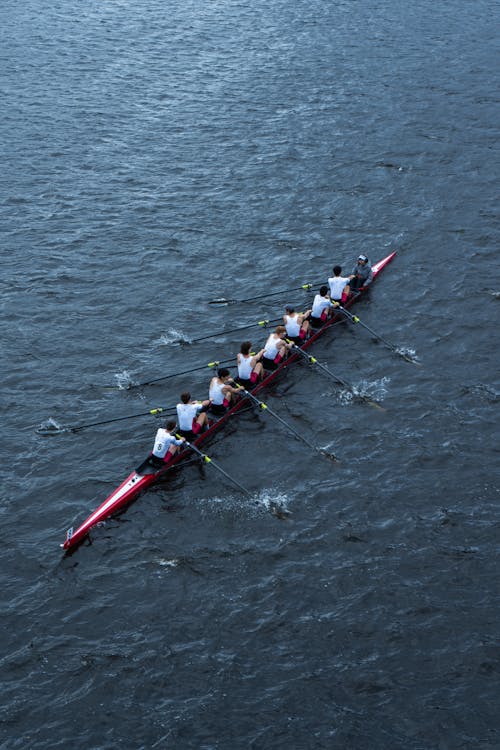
(50, 427)
(344, 397)
(172, 336)
(375, 390)
(123, 380)
(269, 501)
(405, 351)
(276, 503)
(329, 448)
(174, 563)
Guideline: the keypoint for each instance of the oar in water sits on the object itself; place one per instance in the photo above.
(392, 347)
(265, 407)
(337, 378)
(210, 461)
(76, 428)
(223, 301)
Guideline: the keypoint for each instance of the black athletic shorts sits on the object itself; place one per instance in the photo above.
(269, 364)
(218, 409)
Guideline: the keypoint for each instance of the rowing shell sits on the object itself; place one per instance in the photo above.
(146, 475)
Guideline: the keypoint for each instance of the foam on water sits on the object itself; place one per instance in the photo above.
(405, 351)
(124, 380)
(267, 500)
(372, 389)
(276, 503)
(174, 563)
(51, 427)
(172, 336)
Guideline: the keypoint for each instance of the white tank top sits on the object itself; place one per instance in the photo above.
(337, 284)
(244, 366)
(320, 303)
(163, 440)
(292, 324)
(215, 393)
(185, 415)
(270, 349)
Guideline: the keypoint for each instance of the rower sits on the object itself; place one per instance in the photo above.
(339, 285)
(166, 444)
(362, 273)
(276, 349)
(296, 324)
(249, 365)
(322, 308)
(192, 416)
(221, 392)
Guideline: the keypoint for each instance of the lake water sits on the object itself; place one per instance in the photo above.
(160, 155)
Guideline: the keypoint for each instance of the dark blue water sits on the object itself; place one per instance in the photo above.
(159, 155)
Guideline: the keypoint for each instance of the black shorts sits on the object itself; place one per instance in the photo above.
(218, 409)
(316, 322)
(188, 434)
(156, 462)
(269, 364)
(246, 383)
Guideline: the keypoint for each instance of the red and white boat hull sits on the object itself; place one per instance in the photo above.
(145, 475)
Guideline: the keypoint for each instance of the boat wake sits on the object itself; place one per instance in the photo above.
(173, 337)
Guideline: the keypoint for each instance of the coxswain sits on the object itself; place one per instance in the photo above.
(275, 349)
(192, 415)
(166, 444)
(362, 273)
(222, 391)
(322, 308)
(249, 365)
(296, 324)
(339, 285)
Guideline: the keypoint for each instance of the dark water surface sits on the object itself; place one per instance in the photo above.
(157, 155)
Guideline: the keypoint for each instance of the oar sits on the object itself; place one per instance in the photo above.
(265, 407)
(395, 349)
(209, 460)
(337, 378)
(216, 363)
(76, 428)
(224, 301)
(263, 323)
